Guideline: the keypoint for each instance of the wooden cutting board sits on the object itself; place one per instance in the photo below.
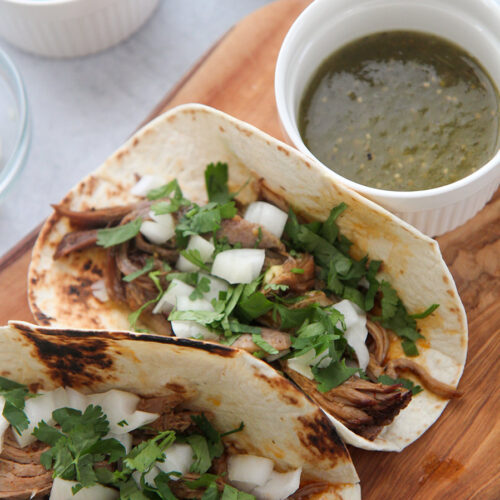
(459, 456)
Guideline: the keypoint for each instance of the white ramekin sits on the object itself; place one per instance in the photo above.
(69, 28)
(326, 25)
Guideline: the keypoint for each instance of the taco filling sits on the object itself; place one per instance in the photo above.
(115, 444)
(264, 279)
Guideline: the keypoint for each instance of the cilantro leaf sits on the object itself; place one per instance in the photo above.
(165, 191)
(276, 288)
(390, 300)
(148, 266)
(253, 306)
(216, 177)
(115, 235)
(425, 313)
(259, 341)
(329, 229)
(373, 268)
(406, 383)
(231, 493)
(214, 442)
(202, 287)
(297, 270)
(143, 456)
(333, 375)
(194, 256)
(211, 493)
(201, 453)
(14, 395)
(133, 317)
(161, 482)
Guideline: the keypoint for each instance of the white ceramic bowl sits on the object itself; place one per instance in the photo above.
(327, 25)
(68, 28)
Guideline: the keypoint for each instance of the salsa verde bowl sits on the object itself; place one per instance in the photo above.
(327, 25)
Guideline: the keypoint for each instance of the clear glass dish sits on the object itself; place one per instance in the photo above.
(15, 130)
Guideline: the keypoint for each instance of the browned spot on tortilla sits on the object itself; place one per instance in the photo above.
(450, 293)
(97, 271)
(244, 131)
(135, 141)
(171, 119)
(71, 360)
(87, 265)
(319, 436)
(445, 279)
(80, 290)
(283, 150)
(34, 280)
(90, 185)
(42, 318)
(35, 387)
(307, 164)
(121, 154)
(283, 387)
(221, 128)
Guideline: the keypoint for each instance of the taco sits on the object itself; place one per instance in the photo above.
(148, 417)
(356, 306)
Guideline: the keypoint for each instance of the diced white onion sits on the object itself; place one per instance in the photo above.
(280, 485)
(116, 405)
(134, 421)
(169, 299)
(160, 229)
(36, 409)
(184, 303)
(248, 471)
(206, 249)
(356, 332)
(146, 184)
(268, 216)
(99, 291)
(216, 286)
(185, 329)
(241, 265)
(61, 490)
(178, 458)
(149, 477)
(125, 440)
(76, 400)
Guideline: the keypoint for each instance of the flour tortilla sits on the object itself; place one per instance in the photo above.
(280, 422)
(179, 144)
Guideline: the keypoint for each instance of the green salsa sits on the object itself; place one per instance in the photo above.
(402, 111)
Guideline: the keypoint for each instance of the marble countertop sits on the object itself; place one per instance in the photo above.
(83, 109)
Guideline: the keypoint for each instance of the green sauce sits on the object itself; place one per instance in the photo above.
(401, 111)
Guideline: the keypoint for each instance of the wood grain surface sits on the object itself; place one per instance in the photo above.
(459, 457)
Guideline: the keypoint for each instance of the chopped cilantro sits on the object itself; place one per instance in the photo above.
(148, 266)
(13, 410)
(426, 313)
(253, 306)
(194, 256)
(406, 383)
(276, 288)
(202, 287)
(230, 493)
(134, 316)
(143, 456)
(122, 423)
(115, 235)
(297, 270)
(165, 191)
(259, 341)
(333, 375)
(216, 177)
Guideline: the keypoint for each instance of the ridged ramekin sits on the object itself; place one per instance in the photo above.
(327, 25)
(68, 28)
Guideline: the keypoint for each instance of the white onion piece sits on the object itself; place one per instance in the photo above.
(61, 490)
(134, 421)
(37, 409)
(216, 286)
(160, 229)
(178, 458)
(185, 329)
(356, 332)
(76, 400)
(239, 265)
(146, 184)
(124, 439)
(302, 364)
(99, 291)
(248, 471)
(149, 477)
(206, 249)
(184, 303)
(60, 398)
(116, 405)
(169, 299)
(268, 216)
(280, 485)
